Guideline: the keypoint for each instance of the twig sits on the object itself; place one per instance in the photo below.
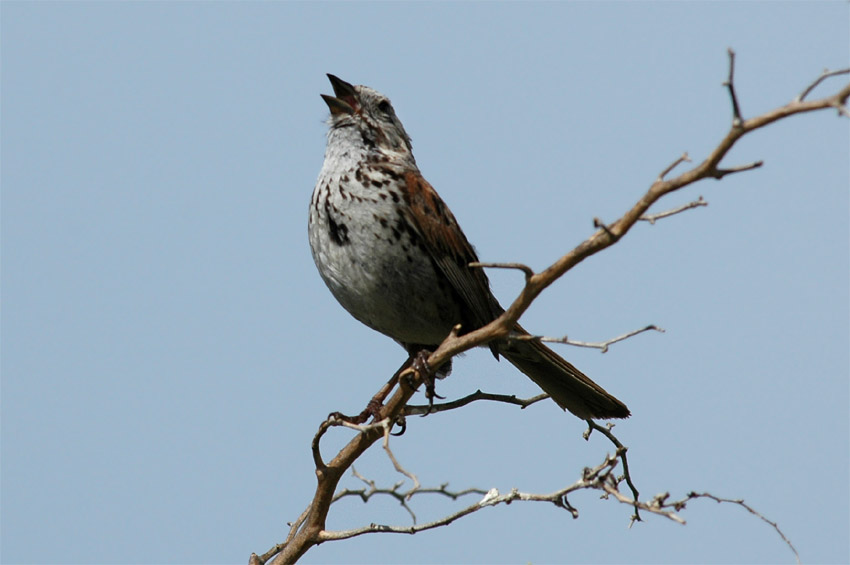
(591, 479)
(823, 76)
(751, 510)
(416, 485)
(598, 223)
(316, 450)
(621, 452)
(386, 426)
(652, 218)
(600, 477)
(601, 345)
(373, 490)
(654, 506)
(414, 409)
(401, 496)
(730, 84)
(609, 234)
(363, 428)
(595, 478)
(306, 532)
(683, 159)
(519, 266)
(720, 173)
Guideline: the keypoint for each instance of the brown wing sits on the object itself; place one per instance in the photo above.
(451, 251)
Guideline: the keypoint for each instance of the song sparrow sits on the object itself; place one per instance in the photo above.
(393, 255)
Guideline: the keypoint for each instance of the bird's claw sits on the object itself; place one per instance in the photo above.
(420, 365)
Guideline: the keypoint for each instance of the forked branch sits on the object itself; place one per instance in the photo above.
(609, 234)
(309, 529)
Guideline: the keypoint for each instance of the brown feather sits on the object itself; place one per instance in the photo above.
(570, 388)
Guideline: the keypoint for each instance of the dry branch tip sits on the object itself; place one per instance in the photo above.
(823, 76)
(652, 218)
(528, 271)
(729, 83)
(601, 345)
(683, 159)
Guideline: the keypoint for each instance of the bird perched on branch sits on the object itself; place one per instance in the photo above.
(393, 255)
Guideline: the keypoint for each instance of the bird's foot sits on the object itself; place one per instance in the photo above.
(429, 378)
(372, 410)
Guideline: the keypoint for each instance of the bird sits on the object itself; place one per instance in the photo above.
(393, 255)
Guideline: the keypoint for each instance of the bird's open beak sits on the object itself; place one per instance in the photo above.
(344, 100)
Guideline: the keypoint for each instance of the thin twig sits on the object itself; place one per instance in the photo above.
(730, 84)
(386, 445)
(652, 506)
(363, 428)
(621, 452)
(365, 495)
(824, 75)
(601, 345)
(595, 478)
(592, 479)
(598, 223)
(414, 409)
(720, 173)
(316, 450)
(386, 425)
(403, 497)
(652, 218)
(683, 159)
(519, 266)
(293, 526)
(751, 510)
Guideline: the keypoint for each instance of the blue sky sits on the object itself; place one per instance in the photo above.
(168, 348)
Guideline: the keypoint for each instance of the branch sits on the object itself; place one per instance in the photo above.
(730, 84)
(403, 497)
(609, 234)
(594, 478)
(823, 76)
(600, 478)
(601, 345)
(720, 173)
(748, 508)
(414, 409)
(597, 478)
(685, 158)
(652, 218)
(621, 453)
(519, 266)
(308, 530)
(396, 464)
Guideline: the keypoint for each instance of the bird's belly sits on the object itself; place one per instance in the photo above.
(379, 273)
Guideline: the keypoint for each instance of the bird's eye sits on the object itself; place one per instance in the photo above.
(384, 106)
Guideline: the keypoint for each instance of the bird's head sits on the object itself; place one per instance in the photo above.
(371, 114)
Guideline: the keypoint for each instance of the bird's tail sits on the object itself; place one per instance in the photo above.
(569, 387)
